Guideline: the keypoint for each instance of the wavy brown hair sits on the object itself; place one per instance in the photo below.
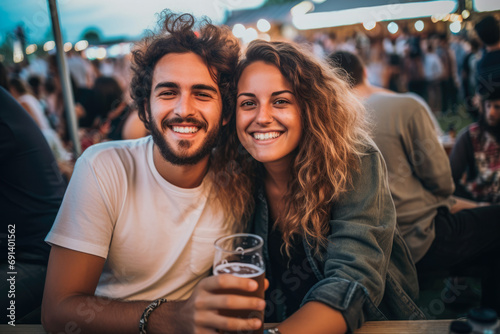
(217, 47)
(334, 137)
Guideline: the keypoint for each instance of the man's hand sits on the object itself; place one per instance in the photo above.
(201, 310)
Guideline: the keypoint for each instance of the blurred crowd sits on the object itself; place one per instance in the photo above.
(101, 99)
(438, 67)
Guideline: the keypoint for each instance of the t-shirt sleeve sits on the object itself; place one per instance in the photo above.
(426, 155)
(86, 218)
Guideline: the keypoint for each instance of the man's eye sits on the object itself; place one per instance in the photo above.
(204, 95)
(167, 93)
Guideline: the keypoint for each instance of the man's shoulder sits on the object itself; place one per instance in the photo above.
(119, 151)
(399, 102)
(489, 61)
(491, 56)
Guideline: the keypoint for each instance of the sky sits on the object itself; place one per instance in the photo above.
(112, 18)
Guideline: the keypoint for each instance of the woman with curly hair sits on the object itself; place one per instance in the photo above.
(314, 186)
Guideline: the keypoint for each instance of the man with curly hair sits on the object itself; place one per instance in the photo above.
(139, 219)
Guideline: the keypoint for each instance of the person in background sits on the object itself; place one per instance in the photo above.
(488, 67)
(135, 234)
(477, 154)
(114, 109)
(442, 232)
(413, 68)
(317, 190)
(79, 69)
(469, 69)
(377, 67)
(30, 103)
(133, 128)
(449, 80)
(36, 85)
(31, 191)
(105, 113)
(433, 70)
(20, 92)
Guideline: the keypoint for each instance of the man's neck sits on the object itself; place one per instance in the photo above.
(364, 90)
(185, 176)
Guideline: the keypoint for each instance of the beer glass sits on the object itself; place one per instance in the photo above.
(241, 255)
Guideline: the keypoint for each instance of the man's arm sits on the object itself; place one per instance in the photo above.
(69, 303)
(426, 155)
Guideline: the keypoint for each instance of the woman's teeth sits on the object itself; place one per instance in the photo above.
(266, 136)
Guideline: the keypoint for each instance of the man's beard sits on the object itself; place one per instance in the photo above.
(184, 159)
(494, 130)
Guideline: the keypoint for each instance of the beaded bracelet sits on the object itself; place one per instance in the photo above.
(151, 307)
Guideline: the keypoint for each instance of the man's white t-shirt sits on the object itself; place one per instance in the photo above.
(157, 238)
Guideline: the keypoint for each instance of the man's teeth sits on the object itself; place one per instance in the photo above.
(185, 129)
(265, 136)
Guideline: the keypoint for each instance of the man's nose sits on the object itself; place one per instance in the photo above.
(184, 107)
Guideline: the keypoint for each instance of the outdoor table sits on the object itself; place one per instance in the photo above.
(370, 327)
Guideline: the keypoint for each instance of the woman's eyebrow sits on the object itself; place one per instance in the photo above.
(281, 92)
(246, 94)
(272, 94)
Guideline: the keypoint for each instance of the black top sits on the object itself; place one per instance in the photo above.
(488, 75)
(293, 276)
(31, 186)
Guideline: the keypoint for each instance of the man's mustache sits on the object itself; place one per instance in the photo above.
(188, 120)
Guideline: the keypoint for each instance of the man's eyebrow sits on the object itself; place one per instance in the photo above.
(166, 84)
(204, 87)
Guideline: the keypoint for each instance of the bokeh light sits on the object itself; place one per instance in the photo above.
(393, 27)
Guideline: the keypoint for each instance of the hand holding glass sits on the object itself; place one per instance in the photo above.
(241, 255)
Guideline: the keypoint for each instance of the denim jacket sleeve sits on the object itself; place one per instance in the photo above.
(356, 259)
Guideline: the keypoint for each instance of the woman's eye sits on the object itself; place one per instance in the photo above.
(247, 104)
(281, 101)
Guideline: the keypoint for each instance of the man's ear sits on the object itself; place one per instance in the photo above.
(146, 114)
